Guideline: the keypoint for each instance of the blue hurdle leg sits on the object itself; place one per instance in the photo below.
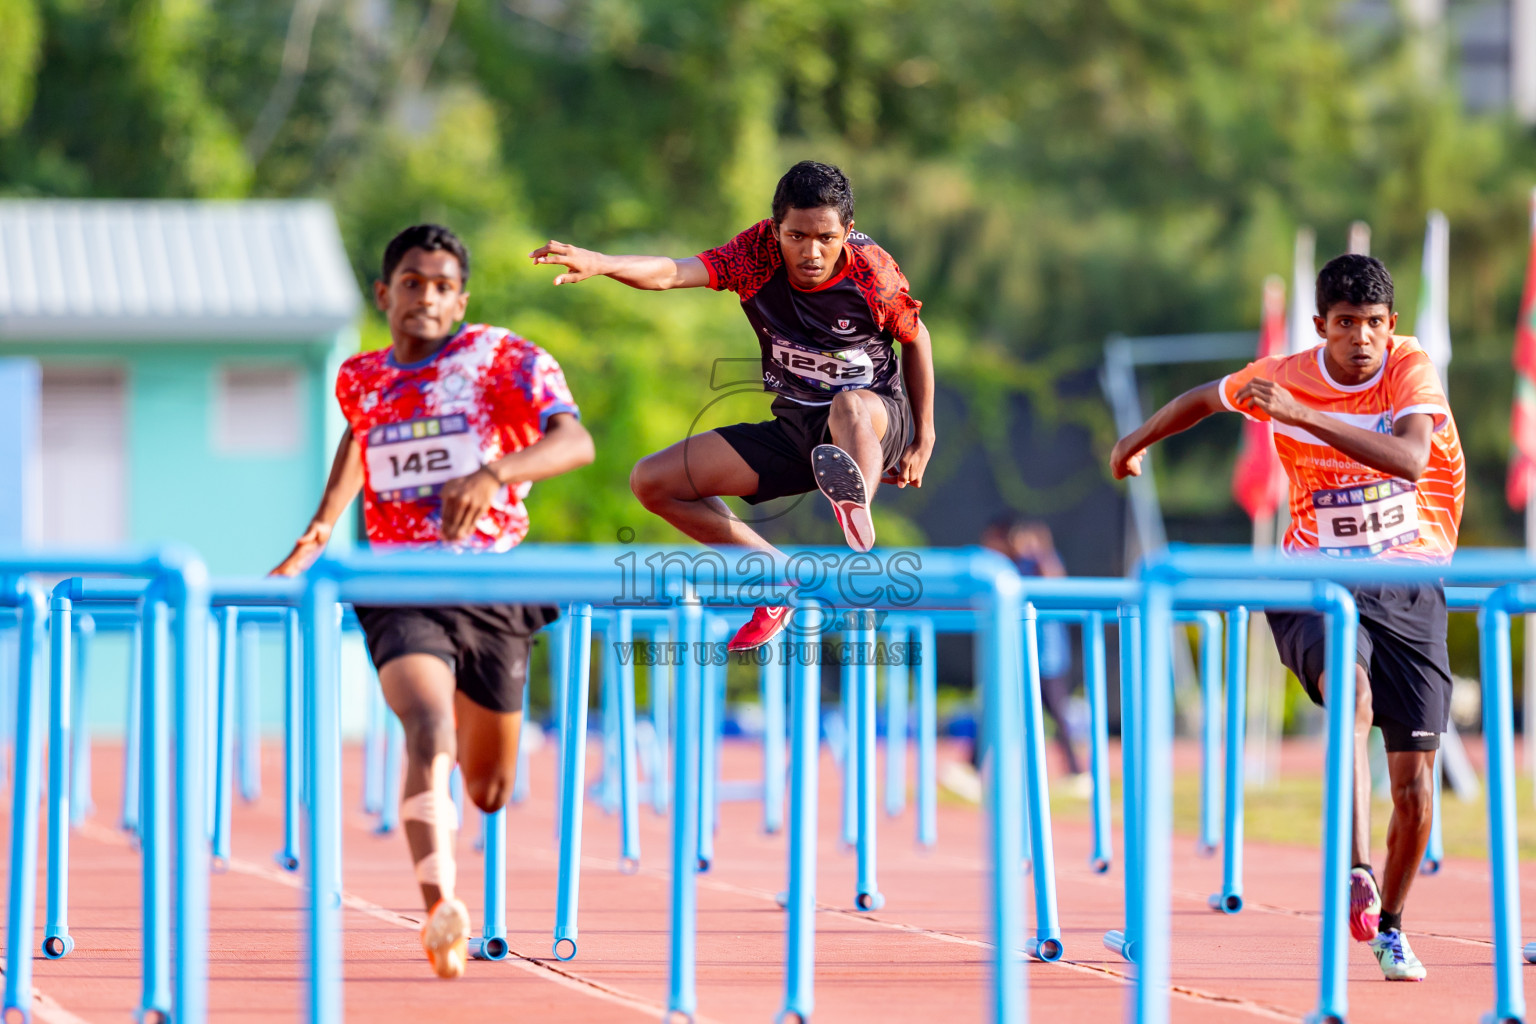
(187, 588)
(80, 803)
(927, 735)
(7, 702)
(520, 780)
(322, 642)
(802, 645)
(1338, 801)
(896, 697)
(132, 731)
(56, 939)
(711, 697)
(1230, 899)
(771, 680)
(999, 659)
(862, 736)
(1210, 731)
(492, 943)
(394, 777)
(607, 787)
(1498, 735)
(1153, 768)
(682, 994)
(1046, 943)
(26, 790)
(249, 684)
(293, 744)
(559, 685)
(1096, 688)
(574, 784)
(629, 782)
(223, 786)
(154, 809)
(850, 758)
(374, 711)
(660, 677)
(1126, 941)
(1434, 853)
(456, 791)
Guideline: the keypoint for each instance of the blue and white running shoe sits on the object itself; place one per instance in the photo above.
(1396, 957)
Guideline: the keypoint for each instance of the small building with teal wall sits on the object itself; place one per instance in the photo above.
(187, 353)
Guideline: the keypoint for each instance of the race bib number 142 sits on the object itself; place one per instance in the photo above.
(412, 460)
(1364, 521)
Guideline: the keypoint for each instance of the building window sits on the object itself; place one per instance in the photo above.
(258, 410)
(82, 427)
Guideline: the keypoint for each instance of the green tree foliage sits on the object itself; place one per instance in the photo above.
(1048, 173)
(19, 38)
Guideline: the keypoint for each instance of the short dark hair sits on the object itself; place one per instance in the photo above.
(1355, 279)
(809, 186)
(432, 238)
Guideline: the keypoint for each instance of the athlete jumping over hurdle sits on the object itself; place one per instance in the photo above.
(827, 303)
(447, 430)
(1376, 471)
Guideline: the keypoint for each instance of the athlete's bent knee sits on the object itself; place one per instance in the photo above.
(490, 793)
(849, 406)
(649, 483)
(1413, 797)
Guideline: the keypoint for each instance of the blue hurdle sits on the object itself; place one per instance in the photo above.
(1315, 583)
(176, 612)
(569, 574)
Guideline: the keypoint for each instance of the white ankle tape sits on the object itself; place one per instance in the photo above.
(440, 870)
(432, 807)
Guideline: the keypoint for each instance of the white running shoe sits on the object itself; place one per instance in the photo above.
(1396, 957)
(841, 480)
(445, 937)
(960, 779)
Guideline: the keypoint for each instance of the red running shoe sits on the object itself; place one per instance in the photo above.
(841, 480)
(1364, 904)
(766, 622)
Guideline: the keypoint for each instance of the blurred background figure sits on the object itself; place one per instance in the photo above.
(1028, 545)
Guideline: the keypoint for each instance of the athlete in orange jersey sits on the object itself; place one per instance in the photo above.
(1366, 435)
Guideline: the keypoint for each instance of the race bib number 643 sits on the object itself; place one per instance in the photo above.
(412, 460)
(1364, 521)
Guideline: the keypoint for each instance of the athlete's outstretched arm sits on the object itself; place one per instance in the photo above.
(917, 375)
(1180, 414)
(651, 273)
(565, 446)
(345, 481)
(1404, 453)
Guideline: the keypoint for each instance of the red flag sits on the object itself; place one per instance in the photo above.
(1258, 481)
(1522, 415)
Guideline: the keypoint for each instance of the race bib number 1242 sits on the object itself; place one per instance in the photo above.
(412, 460)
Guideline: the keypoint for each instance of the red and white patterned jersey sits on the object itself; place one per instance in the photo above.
(483, 395)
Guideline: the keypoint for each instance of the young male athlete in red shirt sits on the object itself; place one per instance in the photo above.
(1364, 430)
(827, 304)
(447, 430)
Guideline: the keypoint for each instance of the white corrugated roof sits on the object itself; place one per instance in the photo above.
(203, 270)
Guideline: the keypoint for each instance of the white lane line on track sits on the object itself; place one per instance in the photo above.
(1186, 992)
(295, 880)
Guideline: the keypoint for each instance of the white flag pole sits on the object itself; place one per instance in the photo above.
(1360, 238)
(1530, 620)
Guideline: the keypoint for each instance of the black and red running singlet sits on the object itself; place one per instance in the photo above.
(836, 337)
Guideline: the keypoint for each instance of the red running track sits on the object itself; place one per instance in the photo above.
(920, 958)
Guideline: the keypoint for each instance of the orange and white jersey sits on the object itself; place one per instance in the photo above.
(1339, 506)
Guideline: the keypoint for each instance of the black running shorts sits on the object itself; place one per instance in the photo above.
(486, 646)
(1401, 646)
(779, 451)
